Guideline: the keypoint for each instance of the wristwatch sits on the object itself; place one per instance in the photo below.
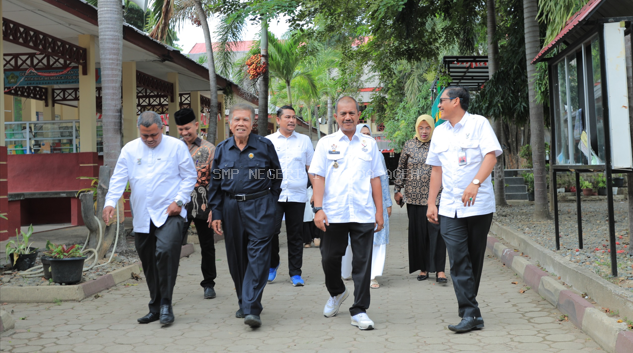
(179, 203)
(316, 209)
(476, 182)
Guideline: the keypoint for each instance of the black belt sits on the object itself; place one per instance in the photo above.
(246, 197)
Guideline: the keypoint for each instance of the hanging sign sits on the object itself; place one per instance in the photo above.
(11, 78)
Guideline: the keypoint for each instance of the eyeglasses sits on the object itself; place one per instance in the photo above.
(450, 99)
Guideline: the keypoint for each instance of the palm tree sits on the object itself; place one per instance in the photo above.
(537, 128)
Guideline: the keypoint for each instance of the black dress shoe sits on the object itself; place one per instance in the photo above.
(239, 314)
(209, 293)
(151, 317)
(468, 324)
(442, 280)
(253, 321)
(166, 315)
(423, 277)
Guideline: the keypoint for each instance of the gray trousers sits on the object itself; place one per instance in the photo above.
(465, 240)
(159, 251)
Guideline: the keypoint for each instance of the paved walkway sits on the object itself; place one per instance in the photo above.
(410, 316)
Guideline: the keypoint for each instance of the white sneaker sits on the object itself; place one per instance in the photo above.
(362, 321)
(334, 304)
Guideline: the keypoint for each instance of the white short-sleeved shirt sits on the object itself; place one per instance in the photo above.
(474, 135)
(295, 153)
(348, 166)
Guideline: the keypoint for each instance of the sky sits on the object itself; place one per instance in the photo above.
(189, 34)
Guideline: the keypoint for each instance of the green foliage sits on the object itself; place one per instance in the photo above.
(585, 184)
(401, 127)
(64, 252)
(529, 181)
(600, 180)
(19, 247)
(556, 13)
(526, 153)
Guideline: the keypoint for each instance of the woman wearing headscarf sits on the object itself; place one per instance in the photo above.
(427, 250)
(381, 238)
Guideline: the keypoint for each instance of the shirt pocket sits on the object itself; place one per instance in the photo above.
(439, 148)
(473, 152)
(363, 164)
(224, 169)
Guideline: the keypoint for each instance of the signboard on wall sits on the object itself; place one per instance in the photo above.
(12, 78)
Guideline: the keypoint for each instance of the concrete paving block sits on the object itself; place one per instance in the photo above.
(6, 321)
(125, 273)
(40, 294)
(507, 256)
(602, 328)
(624, 343)
(550, 289)
(186, 250)
(490, 244)
(97, 285)
(519, 264)
(572, 305)
(532, 276)
(498, 249)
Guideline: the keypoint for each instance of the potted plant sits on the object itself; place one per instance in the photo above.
(46, 259)
(529, 182)
(601, 183)
(19, 252)
(587, 187)
(618, 181)
(67, 263)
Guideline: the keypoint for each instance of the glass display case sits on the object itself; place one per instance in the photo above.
(61, 136)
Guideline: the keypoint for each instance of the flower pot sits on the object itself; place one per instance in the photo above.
(531, 196)
(25, 261)
(46, 265)
(67, 270)
(602, 191)
(618, 182)
(587, 192)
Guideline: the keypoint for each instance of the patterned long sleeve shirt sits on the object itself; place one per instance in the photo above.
(202, 153)
(413, 174)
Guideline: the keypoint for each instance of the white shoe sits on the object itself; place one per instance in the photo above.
(362, 321)
(334, 304)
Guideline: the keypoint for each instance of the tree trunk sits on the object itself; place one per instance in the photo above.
(493, 58)
(330, 123)
(537, 127)
(110, 18)
(262, 121)
(289, 92)
(318, 124)
(213, 84)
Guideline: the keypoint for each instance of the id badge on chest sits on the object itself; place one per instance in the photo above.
(461, 157)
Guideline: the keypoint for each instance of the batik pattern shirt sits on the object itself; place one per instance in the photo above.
(202, 152)
(413, 174)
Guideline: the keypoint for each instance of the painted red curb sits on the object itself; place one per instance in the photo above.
(573, 306)
(186, 250)
(532, 276)
(490, 244)
(507, 256)
(97, 285)
(624, 344)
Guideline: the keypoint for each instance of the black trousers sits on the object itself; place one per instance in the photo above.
(248, 230)
(159, 251)
(466, 243)
(333, 245)
(294, 230)
(207, 250)
(310, 232)
(427, 250)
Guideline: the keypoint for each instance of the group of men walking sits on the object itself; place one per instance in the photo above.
(242, 189)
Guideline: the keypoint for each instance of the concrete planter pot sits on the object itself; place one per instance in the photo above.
(68, 270)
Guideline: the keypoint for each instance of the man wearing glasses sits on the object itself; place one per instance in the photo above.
(463, 153)
(161, 175)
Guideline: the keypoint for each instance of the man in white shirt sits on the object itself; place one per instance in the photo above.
(463, 153)
(348, 200)
(161, 175)
(295, 153)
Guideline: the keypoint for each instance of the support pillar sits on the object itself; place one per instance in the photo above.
(29, 108)
(195, 106)
(130, 130)
(49, 112)
(174, 106)
(221, 134)
(88, 100)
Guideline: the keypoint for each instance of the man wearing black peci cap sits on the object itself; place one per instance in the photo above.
(202, 152)
(243, 196)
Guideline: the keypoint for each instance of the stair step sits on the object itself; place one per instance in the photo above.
(514, 181)
(517, 189)
(517, 196)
